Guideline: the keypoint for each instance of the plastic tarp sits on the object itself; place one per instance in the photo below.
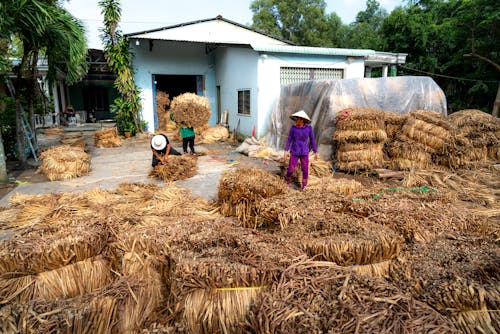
(322, 99)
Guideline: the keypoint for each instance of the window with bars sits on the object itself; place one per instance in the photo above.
(289, 75)
(244, 101)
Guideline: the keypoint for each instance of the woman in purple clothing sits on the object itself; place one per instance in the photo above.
(299, 138)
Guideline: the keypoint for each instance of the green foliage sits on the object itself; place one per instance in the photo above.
(126, 107)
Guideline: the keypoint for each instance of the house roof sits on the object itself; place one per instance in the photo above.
(216, 30)
(275, 48)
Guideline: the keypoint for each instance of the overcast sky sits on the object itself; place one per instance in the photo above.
(138, 15)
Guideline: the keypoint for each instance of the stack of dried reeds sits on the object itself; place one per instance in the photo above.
(394, 123)
(318, 297)
(163, 113)
(191, 109)
(178, 167)
(318, 168)
(458, 276)
(338, 186)
(359, 136)
(241, 190)
(107, 138)
(75, 140)
(425, 132)
(214, 134)
(53, 131)
(476, 136)
(64, 162)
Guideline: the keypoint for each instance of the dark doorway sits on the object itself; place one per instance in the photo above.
(95, 100)
(175, 85)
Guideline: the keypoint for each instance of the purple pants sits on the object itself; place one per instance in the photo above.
(304, 165)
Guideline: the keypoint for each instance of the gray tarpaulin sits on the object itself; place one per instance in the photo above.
(322, 99)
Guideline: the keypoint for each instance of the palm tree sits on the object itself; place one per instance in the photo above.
(43, 27)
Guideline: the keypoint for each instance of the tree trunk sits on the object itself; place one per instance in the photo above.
(34, 89)
(3, 165)
(496, 104)
(20, 137)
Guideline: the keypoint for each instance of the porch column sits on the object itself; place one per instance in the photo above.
(384, 71)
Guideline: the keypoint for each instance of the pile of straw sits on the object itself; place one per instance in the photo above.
(338, 186)
(476, 137)
(394, 123)
(318, 168)
(64, 162)
(162, 111)
(318, 297)
(458, 276)
(190, 109)
(214, 134)
(75, 140)
(424, 132)
(241, 190)
(53, 131)
(359, 136)
(107, 138)
(178, 167)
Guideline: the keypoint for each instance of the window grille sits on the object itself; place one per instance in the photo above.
(289, 75)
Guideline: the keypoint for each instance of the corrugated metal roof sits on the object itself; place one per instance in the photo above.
(311, 50)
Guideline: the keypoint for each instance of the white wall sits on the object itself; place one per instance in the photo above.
(171, 58)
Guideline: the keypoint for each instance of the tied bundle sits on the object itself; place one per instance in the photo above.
(162, 105)
(214, 134)
(359, 135)
(425, 132)
(107, 138)
(64, 162)
(190, 109)
(178, 167)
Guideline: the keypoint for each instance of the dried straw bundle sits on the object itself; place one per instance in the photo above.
(190, 109)
(214, 134)
(64, 162)
(360, 119)
(338, 186)
(241, 190)
(474, 119)
(431, 117)
(107, 138)
(318, 297)
(162, 105)
(53, 131)
(456, 275)
(50, 248)
(82, 315)
(69, 281)
(360, 136)
(429, 129)
(7, 216)
(394, 123)
(178, 167)
(318, 168)
(456, 155)
(494, 152)
(75, 140)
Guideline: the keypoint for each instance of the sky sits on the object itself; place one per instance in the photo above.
(139, 15)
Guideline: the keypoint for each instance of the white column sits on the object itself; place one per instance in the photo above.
(384, 71)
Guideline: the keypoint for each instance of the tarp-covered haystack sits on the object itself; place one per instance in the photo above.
(178, 167)
(318, 297)
(425, 132)
(64, 162)
(241, 190)
(191, 109)
(53, 131)
(458, 276)
(107, 138)
(359, 138)
(214, 134)
(75, 140)
(475, 137)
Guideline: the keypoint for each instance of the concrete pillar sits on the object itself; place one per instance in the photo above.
(384, 71)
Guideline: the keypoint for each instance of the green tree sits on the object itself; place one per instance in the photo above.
(364, 33)
(302, 22)
(42, 27)
(126, 107)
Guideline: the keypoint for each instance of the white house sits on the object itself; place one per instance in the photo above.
(238, 69)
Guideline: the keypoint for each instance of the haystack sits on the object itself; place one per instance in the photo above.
(178, 167)
(64, 162)
(318, 297)
(53, 131)
(359, 136)
(241, 190)
(107, 138)
(458, 276)
(191, 109)
(394, 123)
(214, 134)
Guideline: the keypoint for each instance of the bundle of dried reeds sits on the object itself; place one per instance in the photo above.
(359, 135)
(318, 168)
(241, 190)
(178, 167)
(67, 281)
(75, 140)
(458, 276)
(64, 162)
(394, 123)
(318, 297)
(339, 186)
(214, 134)
(162, 106)
(191, 109)
(107, 138)
(407, 155)
(53, 131)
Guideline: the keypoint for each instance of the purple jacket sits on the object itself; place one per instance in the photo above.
(298, 140)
